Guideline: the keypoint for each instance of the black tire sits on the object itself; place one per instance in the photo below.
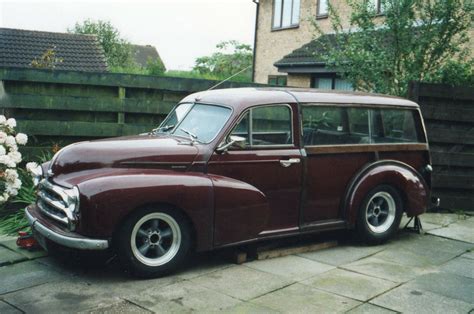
(147, 262)
(379, 216)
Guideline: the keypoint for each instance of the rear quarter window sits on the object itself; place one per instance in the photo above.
(333, 125)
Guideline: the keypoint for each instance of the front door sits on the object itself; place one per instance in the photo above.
(258, 186)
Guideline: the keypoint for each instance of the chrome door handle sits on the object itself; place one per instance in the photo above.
(289, 162)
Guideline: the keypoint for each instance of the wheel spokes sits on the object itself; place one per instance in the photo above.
(166, 233)
(142, 233)
(144, 248)
(154, 224)
(160, 250)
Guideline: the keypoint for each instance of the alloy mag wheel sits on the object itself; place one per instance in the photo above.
(380, 212)
(155, 239)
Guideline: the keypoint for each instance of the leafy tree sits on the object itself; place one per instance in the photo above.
(155, 67)
(47, 60)
(230, 58)
(117, 50)
(418, 40)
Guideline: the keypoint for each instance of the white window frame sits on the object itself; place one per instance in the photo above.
(294, 19)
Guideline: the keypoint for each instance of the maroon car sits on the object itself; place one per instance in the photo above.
(234, 166)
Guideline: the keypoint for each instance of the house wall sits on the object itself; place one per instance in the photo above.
(272, 45)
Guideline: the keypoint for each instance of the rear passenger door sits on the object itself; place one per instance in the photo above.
(335, 139)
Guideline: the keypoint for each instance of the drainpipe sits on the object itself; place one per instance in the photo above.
(257, 3)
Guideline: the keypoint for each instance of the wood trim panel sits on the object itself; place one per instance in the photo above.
(364, 148)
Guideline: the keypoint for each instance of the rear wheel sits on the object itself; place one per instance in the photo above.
(380, 214)
(154, 243)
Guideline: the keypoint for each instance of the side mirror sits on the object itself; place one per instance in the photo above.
(233, 140)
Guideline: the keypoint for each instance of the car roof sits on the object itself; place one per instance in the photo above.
(241, 98)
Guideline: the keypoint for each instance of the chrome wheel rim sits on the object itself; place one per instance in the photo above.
(155, 239)
(380, 212)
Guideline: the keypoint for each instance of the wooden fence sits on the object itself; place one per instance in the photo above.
(61, 107)
(56, 108)
(449, 117)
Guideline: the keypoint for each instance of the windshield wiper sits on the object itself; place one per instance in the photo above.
(193, 137)
(162, 129)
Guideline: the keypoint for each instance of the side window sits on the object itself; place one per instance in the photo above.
(358, 126)
(266, 126)
(398, 126)
(323, 125)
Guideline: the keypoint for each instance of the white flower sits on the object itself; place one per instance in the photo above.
(10, 141)
(11, 123)
(4, 198)
(31, 166)
(15, 156)
(3, 120)
(3, 136)
(2, 150)
(7, 161)
(21, 138)
(16, 184)
(11, 175)
(11, 190)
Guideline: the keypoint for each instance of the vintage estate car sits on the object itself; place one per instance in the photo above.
(233, 166)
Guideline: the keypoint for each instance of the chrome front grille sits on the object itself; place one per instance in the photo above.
(58, 203)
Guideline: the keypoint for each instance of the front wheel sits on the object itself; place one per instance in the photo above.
(153, 243)
(380, 214)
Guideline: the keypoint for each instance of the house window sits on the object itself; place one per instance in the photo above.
(279, 80)
(378, 6)
(286, 13)
(330, 81)
(323, 8)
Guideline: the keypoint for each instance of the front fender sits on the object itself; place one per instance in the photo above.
(107, 200)
(404, 178)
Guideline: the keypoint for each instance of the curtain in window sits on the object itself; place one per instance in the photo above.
(341, 84)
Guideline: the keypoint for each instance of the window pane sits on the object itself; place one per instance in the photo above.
(323, 83)
(358, 126)
(277, 13)
(282, 80)
(323, 125)
(398, 126)
(323, 7)
(204, 121)
(295, 20)
(341, 84)
(271, 125)
(286, 13)
(242, 129)
(272, 80)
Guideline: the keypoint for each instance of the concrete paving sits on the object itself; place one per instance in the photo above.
(428, 273)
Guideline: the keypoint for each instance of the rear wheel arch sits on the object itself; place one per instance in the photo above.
(403, 178)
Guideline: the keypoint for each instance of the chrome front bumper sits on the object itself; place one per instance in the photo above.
(71, 242)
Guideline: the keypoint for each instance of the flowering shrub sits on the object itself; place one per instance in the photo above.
(10, 157)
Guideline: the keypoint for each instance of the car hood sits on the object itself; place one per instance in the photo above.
(143, 151)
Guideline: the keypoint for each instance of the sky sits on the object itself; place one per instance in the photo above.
(181, 30)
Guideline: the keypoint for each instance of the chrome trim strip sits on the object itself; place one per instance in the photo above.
(75, 243)
(51, 215)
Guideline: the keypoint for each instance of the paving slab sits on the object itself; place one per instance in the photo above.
(341, 255)
(368, 308)
(60, 297)
(441, 219)
(6, 308)
(203, 266)
(383, 269)
(461, 231)
(9, 257)
(293, 267)
(11, 244)
(469, 255)
(445, 284)
(119, 307)
(242, 282)
(183, 296)
(407, 300)
(299, 298)
(24, 275)
(350, 284)
(244, 308)
(460, 266)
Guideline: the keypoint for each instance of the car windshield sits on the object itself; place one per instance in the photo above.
(197, 121)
